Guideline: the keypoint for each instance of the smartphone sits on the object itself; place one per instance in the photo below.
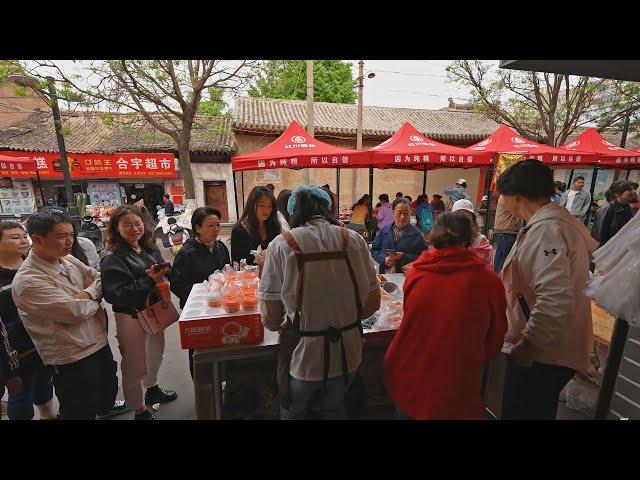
(159, 266)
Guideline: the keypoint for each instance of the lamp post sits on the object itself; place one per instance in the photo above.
(51, 96)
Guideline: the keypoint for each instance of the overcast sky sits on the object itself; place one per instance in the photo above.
(397, 83)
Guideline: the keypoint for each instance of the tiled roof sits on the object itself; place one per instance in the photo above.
(91, 132)
(336, 119)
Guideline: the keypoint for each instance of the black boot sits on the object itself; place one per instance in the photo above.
(159, 395)
(146, 415)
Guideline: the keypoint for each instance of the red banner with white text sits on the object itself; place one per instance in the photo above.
(95, 165)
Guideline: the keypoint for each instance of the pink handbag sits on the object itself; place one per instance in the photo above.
(158, 316)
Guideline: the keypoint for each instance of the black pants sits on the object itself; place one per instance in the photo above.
(532, 393)
(87, 387)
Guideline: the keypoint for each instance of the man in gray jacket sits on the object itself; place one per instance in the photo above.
(545, 276)
(577, 200)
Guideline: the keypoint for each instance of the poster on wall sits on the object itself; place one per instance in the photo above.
(104, 194)
(16, 196)
(175, 189)
(603, 182)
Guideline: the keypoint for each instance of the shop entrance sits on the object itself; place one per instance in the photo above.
(215, 195)
(61, 196)
(152, 194)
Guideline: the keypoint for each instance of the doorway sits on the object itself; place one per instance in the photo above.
(150, 192)
(215, 195)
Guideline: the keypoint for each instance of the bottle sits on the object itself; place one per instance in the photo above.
(163, 289)
(250, 292)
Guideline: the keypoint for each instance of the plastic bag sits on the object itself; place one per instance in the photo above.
(390, 314)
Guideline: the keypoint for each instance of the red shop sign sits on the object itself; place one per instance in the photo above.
(99, 165)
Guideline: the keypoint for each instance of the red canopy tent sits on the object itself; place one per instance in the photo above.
(507, 140)
(408, 148)
(607, 154)
(295, 148)
(20, 167)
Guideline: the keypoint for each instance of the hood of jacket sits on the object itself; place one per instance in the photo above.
(447, 260)
(385, 206)
(553, 211)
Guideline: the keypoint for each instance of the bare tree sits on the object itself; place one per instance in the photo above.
(166, 93)
(547, 107)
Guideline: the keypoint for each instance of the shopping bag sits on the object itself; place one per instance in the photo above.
(158, 316)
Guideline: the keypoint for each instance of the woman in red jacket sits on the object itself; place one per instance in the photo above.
(454, 323)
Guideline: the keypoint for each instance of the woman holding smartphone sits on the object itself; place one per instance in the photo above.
(129, 275)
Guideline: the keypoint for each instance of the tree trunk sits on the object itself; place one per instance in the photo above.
(185, 168)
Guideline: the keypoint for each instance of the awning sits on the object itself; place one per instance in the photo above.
(608, 155)
(614, 69)
(408, 148)
(295, 148)
(17, 166)
(508, 141)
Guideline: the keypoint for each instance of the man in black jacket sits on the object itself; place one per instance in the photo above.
(610, 219)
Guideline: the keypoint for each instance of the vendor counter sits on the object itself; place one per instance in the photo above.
(209, 364)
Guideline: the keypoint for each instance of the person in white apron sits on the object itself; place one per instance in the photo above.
(320, 340)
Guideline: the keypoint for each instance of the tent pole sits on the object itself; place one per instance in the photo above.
(424, 180)
(593, 187)
(235, 195)
(628, 173)
(242, 179)
(488, 190)
(338, 188)
(44, 204)
(371, 200)
(570, 178)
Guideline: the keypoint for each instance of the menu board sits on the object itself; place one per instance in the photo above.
(17, 196)
(104, 194)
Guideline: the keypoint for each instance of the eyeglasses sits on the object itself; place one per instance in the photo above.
(131, 226)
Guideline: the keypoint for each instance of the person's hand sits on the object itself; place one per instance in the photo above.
(157, 276)
(388, 262)
(522, 353)
(14, 386)
(260, 258)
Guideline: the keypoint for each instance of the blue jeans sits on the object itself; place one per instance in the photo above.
(504, 243)
(330, 405)
(37, 389)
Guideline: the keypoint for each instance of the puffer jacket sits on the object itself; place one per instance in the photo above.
(549, 266)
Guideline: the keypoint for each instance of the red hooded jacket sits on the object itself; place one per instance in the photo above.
(454, 322)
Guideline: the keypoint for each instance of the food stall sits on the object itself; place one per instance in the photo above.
(243, 343)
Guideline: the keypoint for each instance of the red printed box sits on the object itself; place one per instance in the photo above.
(202, 326)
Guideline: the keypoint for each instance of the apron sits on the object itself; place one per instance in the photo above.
(290, 334)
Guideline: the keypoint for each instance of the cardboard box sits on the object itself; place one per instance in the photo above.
(202, 326)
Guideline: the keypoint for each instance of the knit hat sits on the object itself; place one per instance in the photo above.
(313, 190)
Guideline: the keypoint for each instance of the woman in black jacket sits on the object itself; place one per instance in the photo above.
(128, 279)
(199, 257)
(37, 378)
(257, 226)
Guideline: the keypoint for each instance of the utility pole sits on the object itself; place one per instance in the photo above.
(356, 177)
(310, 127)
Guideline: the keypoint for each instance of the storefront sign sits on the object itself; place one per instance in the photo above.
(96, 165)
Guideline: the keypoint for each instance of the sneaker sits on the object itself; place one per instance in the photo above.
(159, 395)
(118, 408)
(146, 415)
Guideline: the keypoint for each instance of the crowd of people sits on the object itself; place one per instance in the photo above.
(463, 304)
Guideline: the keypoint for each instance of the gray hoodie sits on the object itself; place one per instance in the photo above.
(549, 266)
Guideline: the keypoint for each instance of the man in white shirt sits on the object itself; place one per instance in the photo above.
(58, 298)
(577, 200)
